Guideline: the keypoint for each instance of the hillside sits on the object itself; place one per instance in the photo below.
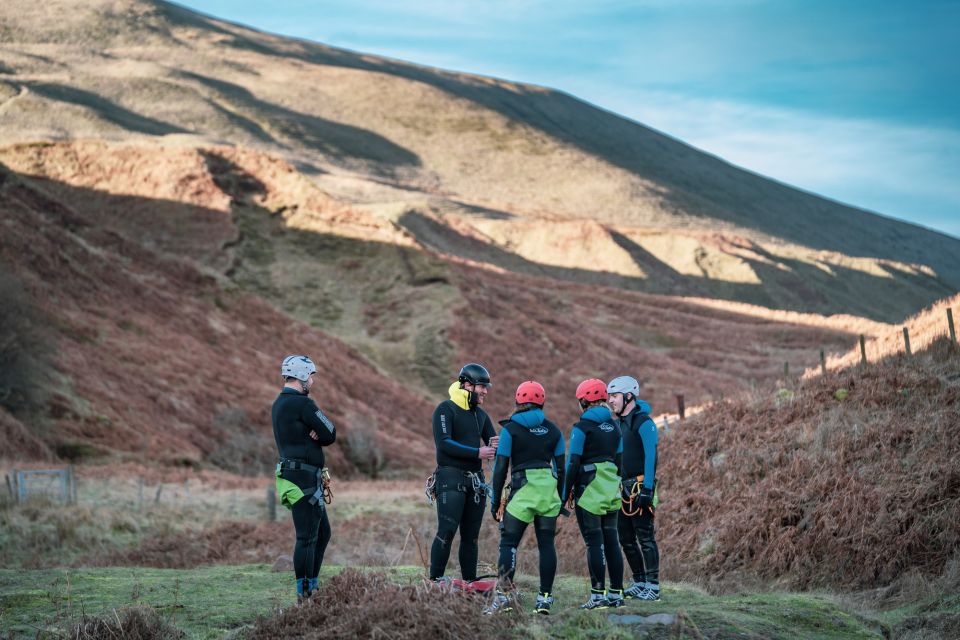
(520, 177)
(159, 360)
(180, 191)
(249, 228)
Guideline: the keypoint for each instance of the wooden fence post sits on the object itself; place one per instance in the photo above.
(863, 351)
(906, 340)
(71, 485)
(823, 363)
(953, 332)
(271, 503)
(786, 370)
(681, 409)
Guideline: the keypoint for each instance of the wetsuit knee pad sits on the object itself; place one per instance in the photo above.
(307, 539)
(543, 524)
(446, 533)
(593, 537)
(511, 531)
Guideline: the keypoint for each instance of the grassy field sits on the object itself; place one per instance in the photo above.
(208, 545)
(217, 601)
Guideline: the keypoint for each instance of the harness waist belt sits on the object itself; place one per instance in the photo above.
(533, 464)
(461, 471)
(298, 465)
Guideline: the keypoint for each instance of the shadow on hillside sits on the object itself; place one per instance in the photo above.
(733, 195)
(785, 284)
(332, 138)
(109, 111)
(239, 184)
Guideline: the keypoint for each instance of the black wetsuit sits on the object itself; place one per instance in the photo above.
(529, 442)
(294, 416)
(637, 531)
(461, 494)
(593, 441)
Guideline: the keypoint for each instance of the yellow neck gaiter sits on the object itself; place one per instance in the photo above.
(460, 397)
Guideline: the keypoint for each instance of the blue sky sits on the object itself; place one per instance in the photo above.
(855, 100)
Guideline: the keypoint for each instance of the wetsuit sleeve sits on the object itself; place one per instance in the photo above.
(577, 438)
(618, 457)
(314, 418)
(488, 431)
(648, 435)
(505, 448)
(443, 435)
(558, 464)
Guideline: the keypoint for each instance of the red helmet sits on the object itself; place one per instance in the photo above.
(592, 390)
(531, 391)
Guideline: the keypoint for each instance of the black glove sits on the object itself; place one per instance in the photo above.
(494, 507)
(564, 512)
(645, 499)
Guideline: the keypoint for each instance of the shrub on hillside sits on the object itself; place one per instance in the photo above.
(26, 348)
(240, 446)
(818, 491)
(361, 449)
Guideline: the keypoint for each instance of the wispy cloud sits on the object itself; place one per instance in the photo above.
(904, 171)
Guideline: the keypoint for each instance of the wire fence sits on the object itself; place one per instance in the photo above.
(64, 486)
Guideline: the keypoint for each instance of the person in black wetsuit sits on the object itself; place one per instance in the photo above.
(638, 473)
(301, 430)
(532, 447)
(464, 437)
(592, 484)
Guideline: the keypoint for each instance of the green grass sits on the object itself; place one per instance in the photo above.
(214, 601)
(767, 615)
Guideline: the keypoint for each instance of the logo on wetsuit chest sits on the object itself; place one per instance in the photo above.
(606, 426)
(539, 431)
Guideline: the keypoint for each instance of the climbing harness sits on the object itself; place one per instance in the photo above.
(474, 481)
(318, 493)
(627, 504)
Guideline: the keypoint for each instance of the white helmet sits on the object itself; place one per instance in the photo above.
(624, 385)
(299, 367)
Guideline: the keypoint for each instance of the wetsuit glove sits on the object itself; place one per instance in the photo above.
(645, 499)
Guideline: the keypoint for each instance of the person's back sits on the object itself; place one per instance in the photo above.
(290, 411)
(532, 448)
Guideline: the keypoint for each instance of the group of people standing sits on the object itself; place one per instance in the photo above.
(606, 476)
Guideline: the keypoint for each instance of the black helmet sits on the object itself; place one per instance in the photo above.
(474, 374)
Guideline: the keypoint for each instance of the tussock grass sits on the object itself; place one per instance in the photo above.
(354, 604)
(133, 623)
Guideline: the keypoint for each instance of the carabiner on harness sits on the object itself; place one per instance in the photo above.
(430, 488)
(325, 483)
(479, 487)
